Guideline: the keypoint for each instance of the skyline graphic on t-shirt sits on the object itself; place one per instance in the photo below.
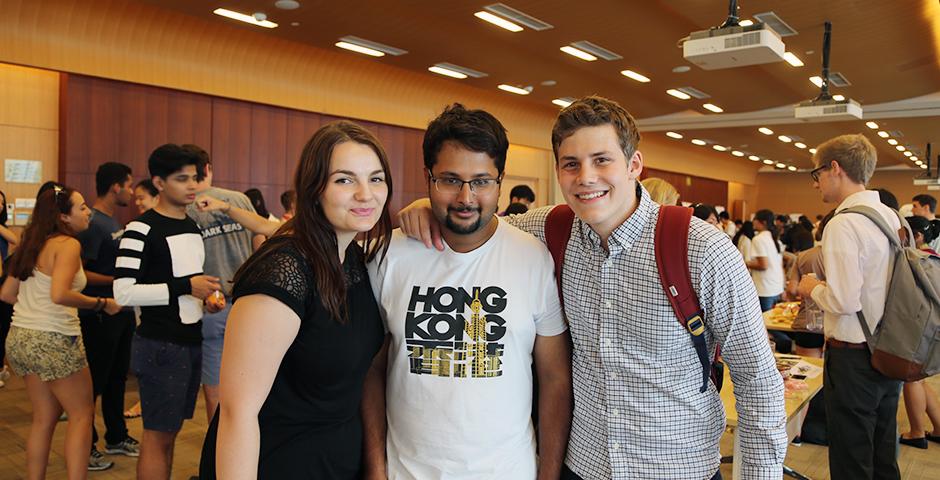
(443, 342)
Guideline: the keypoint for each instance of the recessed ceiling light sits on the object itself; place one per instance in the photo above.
(720, 148)
(635, 76)
(295, 24)
(574, 52)
(900, 148)
(838, 97)
(746, 23)
(455, 71)
(713, 108)
(908, 153)
(791, 168)
(924, 166)
(872, 125)
(241, 17)
(914, 159)
(563, 102)
(499, 22)
(813, 151)
(681, 69)
(674, 135)
(799, 145)
(784, 138)
(548, 83)
(699, 142)
(792, 59)
(883, 134)
(892, 141)
(447, 72)
(781, 165)
(737, 153)
(753, 158)
(678, 94)
(512, 89)
(360, 49)
(768, 161)
(368, 47)
(816, 81)
(765, 131)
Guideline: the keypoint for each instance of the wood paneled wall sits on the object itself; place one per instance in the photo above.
(692, 188)
(251, 145)
(29, 124)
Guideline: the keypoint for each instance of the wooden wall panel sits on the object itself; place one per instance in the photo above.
(251, 145)
(692, 188)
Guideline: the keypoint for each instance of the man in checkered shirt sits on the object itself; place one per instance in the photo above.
(639, 412)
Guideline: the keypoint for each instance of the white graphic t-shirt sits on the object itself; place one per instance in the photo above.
(463, 326)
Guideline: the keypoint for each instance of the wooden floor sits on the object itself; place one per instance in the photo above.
(810, 460)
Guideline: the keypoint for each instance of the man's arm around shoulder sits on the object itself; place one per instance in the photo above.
(552, 356)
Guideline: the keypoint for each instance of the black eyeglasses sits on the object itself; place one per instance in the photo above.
(815, 172)
(479, 186)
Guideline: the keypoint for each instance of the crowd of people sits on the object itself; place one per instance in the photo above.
(328, 345)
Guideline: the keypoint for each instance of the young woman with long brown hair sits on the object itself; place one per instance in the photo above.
(305, 326)
(44, 345)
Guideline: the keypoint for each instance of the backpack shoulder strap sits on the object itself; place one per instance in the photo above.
(893, 237)
(672, 260)
(557, 233)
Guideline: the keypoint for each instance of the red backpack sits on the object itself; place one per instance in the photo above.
(672, 260)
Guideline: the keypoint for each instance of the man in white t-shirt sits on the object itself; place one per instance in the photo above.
(465, 328)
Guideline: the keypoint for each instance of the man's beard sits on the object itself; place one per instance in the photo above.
(464, 229)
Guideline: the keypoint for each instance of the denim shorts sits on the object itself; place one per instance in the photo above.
(213, 336)
(168, 375)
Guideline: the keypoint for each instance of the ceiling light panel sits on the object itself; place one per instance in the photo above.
(768, 161)
(784, 138)
(746, 23)
(635, 76)
(799, 145)
(359, 49)
(871, 125)
(596, 50)
(737, 153)
(467, 72)
(792, 59)
(512, 89)
(674, 135)
(775, 23)
(712, 108)
(838, 97)
(499, 22)
(678, 94)
(753, 158)
(816, 80)
(720, 148)
(765, 131)
(791, 168)
(883, 134)
(518, 17)
(563, 101)
(892, 141)
(241, 17)
(576, 52)
(381, 47)
(699, 142)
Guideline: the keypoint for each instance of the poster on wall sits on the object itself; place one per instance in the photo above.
(22, 171)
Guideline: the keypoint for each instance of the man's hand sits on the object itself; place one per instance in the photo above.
(203, 286)
(807, 284)
(205, 203)
(418, 222)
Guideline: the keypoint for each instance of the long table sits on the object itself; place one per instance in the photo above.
(795, 404)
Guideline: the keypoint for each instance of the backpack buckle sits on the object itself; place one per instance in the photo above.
(695, 325)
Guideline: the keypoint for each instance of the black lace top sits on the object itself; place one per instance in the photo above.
(310, 423)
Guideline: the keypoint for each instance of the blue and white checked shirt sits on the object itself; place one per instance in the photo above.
(638, 412)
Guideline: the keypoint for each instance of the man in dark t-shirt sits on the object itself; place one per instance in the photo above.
(107, 338)
(159, 268)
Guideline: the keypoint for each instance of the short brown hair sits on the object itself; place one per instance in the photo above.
(854, 153)
(593, 111)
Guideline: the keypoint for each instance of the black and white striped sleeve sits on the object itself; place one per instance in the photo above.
(131, 265)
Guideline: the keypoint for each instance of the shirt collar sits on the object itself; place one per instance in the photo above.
(629, 232)
(867, 197)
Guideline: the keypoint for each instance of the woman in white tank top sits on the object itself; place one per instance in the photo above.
(45, 345)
